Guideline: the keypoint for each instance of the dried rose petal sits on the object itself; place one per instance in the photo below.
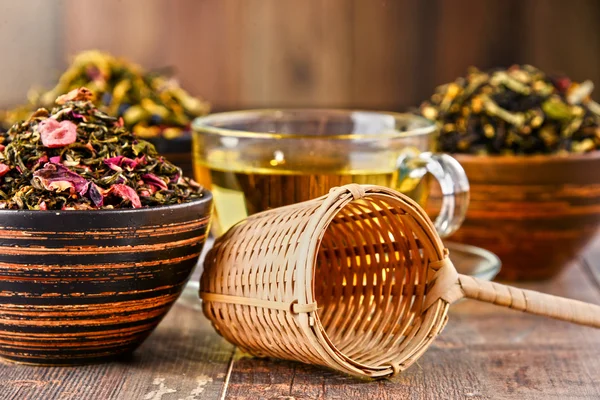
(120, 161)
(125, 192)
(96, 194)
(141, 160)
(57, 134)
(561, 83)
(152, 179)
(129, 163)
(43, 206)
(59, 177)
(55, 160)
(40, 161)
(81, 94)
(80, 116)
(2, 147)
(4, 169)
(114, 163)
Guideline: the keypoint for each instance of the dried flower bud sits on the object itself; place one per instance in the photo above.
(80, 94)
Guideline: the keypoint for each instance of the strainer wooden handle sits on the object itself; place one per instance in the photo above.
(530, 301)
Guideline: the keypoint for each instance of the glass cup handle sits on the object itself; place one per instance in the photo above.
(453, 182)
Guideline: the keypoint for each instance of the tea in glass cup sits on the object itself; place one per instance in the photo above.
(253, 161)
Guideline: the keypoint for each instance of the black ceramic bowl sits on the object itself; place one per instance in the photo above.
(85, 286)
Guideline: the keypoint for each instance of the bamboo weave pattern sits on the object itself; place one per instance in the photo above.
(340, 281)
(358, 281)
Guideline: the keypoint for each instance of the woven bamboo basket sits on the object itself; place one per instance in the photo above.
(358, 281)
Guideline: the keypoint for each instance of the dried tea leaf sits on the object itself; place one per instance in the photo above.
(519, 110)
(79, 158)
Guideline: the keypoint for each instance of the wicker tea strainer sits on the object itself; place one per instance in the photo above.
(357, 280)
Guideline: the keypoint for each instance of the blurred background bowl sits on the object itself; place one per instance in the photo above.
(85, 286)
(536, 213)
(177, 150)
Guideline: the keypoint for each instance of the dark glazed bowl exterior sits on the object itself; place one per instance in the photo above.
(84, 286)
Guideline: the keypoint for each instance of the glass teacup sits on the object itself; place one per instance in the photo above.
(260, 159)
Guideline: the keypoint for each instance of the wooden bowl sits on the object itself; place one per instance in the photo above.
(85, 286)
(536, 213)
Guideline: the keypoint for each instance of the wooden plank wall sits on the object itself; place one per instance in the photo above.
(376, 54)
(31, 51)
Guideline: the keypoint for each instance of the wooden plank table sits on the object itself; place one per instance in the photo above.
(485, 352)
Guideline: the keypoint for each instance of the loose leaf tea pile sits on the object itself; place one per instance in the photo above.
(151, 104)
(77, 157)
(520, 110)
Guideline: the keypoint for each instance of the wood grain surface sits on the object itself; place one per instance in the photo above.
(375, 54)
(485, 352)
(184, 359)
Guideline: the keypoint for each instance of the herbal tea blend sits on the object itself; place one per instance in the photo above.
(520, 110)
(151, 104)
(77, 157)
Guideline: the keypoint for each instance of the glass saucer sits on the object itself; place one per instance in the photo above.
(190, 297)
(474, 261)
(467, 259)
